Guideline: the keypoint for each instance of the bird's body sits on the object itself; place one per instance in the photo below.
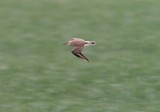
(78, 45)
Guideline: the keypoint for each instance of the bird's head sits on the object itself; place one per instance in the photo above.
(93, 42)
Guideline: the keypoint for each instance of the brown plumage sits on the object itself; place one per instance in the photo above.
(78, 45)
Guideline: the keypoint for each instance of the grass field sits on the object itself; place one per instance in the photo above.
(39, 74)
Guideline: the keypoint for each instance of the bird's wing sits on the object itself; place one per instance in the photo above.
(78, 49)
(77, 53)
(83, 57)
(77, 39)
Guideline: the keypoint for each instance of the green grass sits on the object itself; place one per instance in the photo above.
(39, 74)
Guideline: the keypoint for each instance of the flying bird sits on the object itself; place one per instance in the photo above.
(78, 45)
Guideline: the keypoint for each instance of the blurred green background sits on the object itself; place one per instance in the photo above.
(39, 74)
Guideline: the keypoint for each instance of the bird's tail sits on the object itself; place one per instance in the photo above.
(65, 43)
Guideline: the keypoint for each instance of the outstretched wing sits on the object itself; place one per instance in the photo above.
(83, 57)
(77, 52)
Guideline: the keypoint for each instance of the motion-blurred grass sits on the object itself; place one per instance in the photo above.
(38, 74)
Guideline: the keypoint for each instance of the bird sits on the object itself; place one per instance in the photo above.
(78, 44)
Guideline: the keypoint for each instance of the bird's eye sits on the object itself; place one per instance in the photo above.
(93, 42)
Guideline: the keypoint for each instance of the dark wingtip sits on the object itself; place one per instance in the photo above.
(87, 60)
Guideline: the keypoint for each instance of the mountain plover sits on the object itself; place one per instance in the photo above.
(78, 45)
